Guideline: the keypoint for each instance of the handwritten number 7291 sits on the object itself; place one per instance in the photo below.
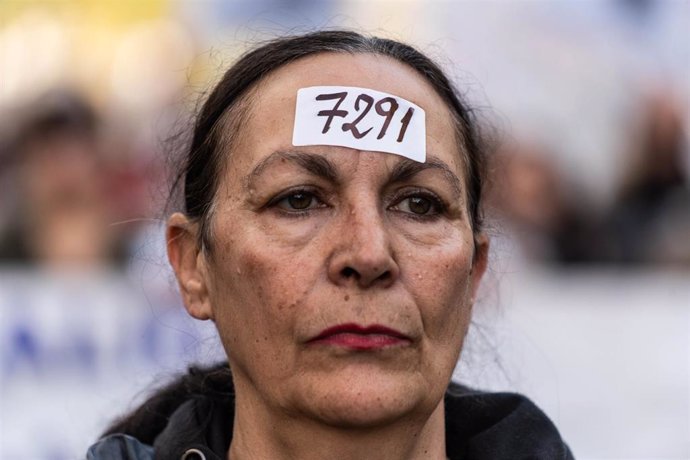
(385, 107)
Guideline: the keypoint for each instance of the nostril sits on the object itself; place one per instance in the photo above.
(349, 272)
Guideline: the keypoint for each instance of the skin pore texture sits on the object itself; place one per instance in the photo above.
(307, 238)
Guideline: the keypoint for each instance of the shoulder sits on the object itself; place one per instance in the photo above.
(198, 429)
(119, 447)
(483, 425)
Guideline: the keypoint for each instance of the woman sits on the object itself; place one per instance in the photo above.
(340, 278)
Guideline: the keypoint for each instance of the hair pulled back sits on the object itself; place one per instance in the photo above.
(200, 169)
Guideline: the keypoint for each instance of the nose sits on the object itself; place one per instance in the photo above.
(363, 256)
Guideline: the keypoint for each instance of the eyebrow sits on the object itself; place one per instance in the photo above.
(315, 164)
(407, 169)
(312, 163)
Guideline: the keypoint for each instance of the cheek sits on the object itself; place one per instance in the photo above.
(257, 295)
(442, 287)
(270, 267)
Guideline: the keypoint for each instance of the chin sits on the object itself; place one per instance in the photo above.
(368, 399)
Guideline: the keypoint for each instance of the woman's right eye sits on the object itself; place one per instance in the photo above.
(298, 201)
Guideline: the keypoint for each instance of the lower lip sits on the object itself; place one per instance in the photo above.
(361, 341)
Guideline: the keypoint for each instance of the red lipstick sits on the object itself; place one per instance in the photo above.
(357, 337)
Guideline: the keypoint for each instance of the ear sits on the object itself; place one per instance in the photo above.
(188, 261)
(479, 262)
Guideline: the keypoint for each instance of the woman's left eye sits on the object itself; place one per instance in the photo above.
(419, 205)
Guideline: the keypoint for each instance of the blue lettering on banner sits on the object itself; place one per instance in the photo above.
(84, 341)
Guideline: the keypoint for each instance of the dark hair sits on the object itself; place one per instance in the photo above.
(221, 115)
(148, 420)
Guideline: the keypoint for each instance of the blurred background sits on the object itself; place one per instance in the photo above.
(587, 305)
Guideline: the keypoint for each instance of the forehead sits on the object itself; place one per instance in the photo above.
(268, 128)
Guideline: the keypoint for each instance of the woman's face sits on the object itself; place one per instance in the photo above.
(340, 281)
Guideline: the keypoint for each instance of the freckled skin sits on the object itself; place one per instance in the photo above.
(280, 278)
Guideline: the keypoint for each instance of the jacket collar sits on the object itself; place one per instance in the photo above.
(479, 426)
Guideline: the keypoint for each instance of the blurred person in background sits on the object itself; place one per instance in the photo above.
(648, 222)
(650, 219)
(531, 202)
(60, 199)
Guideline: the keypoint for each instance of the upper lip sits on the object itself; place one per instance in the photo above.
(353, 328)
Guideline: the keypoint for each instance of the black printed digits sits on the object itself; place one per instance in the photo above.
(353, 126)
(385, 107)
(333, 112)
(393, 106)
(405, 123)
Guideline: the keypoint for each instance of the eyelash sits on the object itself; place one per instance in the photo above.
(437, 205)
(307, 191)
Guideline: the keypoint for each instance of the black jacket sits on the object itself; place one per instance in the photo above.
(479, 426)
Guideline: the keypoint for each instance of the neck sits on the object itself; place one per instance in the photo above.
(260, 433)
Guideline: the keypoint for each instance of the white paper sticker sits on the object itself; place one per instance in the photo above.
(359, 118)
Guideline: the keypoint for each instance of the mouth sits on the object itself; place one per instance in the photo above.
(356, 337)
